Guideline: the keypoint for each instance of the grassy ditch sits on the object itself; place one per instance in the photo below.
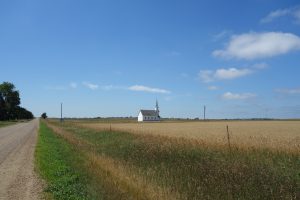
(7, 123)
(144, 166)
(58, 165)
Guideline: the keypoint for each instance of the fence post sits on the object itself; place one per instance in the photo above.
(228, 138)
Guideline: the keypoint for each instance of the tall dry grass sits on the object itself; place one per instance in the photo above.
(120, 181)
(278, 135)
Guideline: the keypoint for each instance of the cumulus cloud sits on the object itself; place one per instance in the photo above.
(259, 45)
(231, 73)
(293, 12)
(91, 85)
(112, 87)
(142, 88)
(275, 14)
(223, 74)
(235, 96)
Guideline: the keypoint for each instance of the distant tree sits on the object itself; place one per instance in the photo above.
(9, 103)
(11, 99)
(22, 113)
(44, 115)
(3, 113)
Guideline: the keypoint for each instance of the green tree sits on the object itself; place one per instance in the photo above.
(9, 103)
(3, 114)
(44, 115)
(11, 99)
(22, 113)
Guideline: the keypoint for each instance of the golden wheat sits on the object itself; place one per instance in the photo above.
(162, 160)
(279, 135)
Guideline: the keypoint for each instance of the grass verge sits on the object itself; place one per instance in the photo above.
(7, 123)
(58, 165)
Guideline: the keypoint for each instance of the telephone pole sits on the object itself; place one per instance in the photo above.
(61, 119)
(204, 110)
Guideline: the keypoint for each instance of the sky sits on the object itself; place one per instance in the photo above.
(111, 58)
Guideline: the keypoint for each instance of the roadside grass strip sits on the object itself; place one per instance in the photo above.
(56, 161)
(7, 123)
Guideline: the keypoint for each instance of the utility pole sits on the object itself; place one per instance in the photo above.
(204, 110)
(61, 119)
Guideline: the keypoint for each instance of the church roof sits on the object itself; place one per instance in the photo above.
(149, 113)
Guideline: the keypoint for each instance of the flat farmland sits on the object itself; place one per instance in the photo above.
(280, 135)
(171, 160)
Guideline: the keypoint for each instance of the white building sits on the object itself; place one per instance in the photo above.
(149, 115)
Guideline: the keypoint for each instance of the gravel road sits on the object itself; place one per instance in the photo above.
(18, 179)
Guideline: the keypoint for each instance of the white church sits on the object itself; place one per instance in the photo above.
(149, 115)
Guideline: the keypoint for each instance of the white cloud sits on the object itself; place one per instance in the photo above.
(91, 85)
(275, 14)
(231, 73)
(142, 88)
(212, 87)
(289, 91)
(293, 12)
(221, 35)
(259, 45)
(233, 96)
(223, 74)
(73, 85)
(112, 87)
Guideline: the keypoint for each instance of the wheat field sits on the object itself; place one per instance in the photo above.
(185, 160)
(279, 135)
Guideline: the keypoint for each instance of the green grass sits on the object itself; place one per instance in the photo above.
(58, 165)
(7, 123)
(200, 172)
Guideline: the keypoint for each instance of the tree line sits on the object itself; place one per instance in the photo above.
(10, 101)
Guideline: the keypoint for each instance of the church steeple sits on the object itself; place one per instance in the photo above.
(157, 108)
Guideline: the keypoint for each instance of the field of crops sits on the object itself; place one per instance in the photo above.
(284, 135)
(181, 160)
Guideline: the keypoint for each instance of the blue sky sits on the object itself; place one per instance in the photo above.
(111, 58)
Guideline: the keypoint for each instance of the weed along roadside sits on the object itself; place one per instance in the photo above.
(108, 164)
